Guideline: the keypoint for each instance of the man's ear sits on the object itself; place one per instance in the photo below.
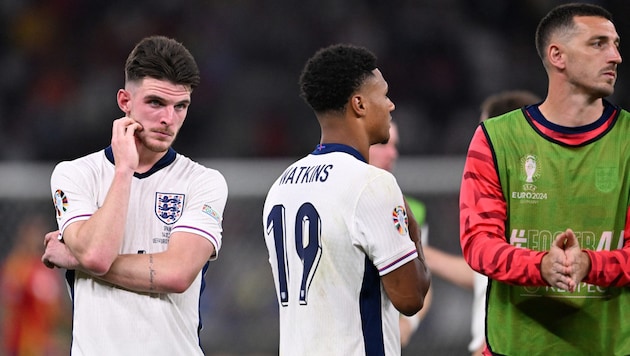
(555, 56)
(357, 104)
(123, 97)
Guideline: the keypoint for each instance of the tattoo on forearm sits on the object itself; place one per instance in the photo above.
(151, 272)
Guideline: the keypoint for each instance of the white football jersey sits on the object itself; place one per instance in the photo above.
(177, 194)
(333, 225)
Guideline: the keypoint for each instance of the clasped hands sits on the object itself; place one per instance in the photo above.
(565, 265)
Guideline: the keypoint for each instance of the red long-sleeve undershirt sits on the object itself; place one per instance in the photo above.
(483, 212)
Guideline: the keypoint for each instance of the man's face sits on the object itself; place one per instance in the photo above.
(592, 56)
(160, 107)
(379, 107)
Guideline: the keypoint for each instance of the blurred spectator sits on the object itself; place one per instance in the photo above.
(31, 297)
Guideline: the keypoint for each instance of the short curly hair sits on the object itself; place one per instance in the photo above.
(162, 58)
(333, 74)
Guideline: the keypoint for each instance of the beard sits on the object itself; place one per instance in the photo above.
(605, 91)
(154, 145)
(595, 88)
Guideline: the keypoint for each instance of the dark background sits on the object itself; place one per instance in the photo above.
(61, 63)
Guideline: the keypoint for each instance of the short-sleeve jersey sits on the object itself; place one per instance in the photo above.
(333, 225)
(177, 194)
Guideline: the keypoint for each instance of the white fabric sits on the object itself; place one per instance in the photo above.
(356, 227)
(478, 330)
(108, 320)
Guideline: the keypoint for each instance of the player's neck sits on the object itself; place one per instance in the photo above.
(148, 159)
(572, 110)
(345, 132)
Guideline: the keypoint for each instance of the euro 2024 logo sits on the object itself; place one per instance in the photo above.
(530, 172)
(400, 219)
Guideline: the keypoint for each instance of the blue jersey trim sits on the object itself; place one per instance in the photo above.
(371, 313)
(70, 277)
(203, 287)
(338, 147)
(166, 160)
(609, 110)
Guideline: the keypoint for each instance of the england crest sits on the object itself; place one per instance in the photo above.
(169, 206)
(606, 178)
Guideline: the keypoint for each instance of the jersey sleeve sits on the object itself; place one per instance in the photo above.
(72, 198)
(381, 223)
(483, 212)
(611, 268)
(204, 210)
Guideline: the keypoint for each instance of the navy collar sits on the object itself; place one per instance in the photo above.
(609, 110)
(338, 147)
(167, 159)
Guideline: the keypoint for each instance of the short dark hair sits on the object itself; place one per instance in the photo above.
(561, 18)
(506, 101)
(162, 58)
(333, 74)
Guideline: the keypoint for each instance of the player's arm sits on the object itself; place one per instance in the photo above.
(195, 240)
(610, 268)
(409, 324)
(483, 212)
(408, 285)
(171, 271)
(96, 242)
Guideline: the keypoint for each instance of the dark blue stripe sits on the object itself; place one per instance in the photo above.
(609, 110)
(70, 276)
(167, 159)
(203, 287)
(370, 308)
(338, 147)
(70, 280)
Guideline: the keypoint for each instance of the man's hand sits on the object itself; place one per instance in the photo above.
(124, 143)
(555, 267)
(577, 261)
(57, 253)
(566, 265)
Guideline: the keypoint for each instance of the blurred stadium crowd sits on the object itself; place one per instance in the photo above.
(61, 64)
